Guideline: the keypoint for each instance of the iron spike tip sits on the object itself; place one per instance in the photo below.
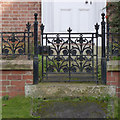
(103, 14)
(96, 26)
(69, 29)
(27, 24)
(42, 26)
(35, 16)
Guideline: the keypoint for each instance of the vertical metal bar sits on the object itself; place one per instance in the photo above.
(46, 57)
(28, 32)
(97, 28)
(112, 52)
(42, 29)
(108, 50)
(28, 47)
(35, 61)
(92, 56)
(24, 43)
(103, 59)
(1, 43)
(69, 38)
(13, 51)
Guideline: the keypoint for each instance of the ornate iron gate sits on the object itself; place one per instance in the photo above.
(65, 56)
(69, 56)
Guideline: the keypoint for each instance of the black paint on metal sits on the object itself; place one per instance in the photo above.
(71, 55)
(103, 57)
(35, 59)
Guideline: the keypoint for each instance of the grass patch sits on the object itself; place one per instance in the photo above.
(117, 108)
(17, 107)
(23, 107)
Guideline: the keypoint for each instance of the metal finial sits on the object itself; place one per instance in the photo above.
(42, 27)
(35, 16)
(69, 30)
(103, 15)
(96, 26)
(28, 25)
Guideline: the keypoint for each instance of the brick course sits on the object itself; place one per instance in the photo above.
(15, 15)
(13, 83)
(113, 78)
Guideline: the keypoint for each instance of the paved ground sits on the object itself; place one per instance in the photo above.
(70, 109)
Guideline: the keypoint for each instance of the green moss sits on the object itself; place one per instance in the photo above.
(43, 105)
(21, 107)
(116, 58)
(16, 66)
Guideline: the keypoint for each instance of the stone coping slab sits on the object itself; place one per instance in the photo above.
(113, 65)
(57, 90)
(16, 64)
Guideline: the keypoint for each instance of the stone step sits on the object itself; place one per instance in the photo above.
(68, 89)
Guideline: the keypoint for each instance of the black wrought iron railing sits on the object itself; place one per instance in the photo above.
(16, 43)
(113, 44)
(71, 53)
(113, 47)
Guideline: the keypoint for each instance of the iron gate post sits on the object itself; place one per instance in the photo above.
(97, 28)
(42, 29)
(35, 59)
(103, 59)
(69, 30)
(28, 25)
(108, 50)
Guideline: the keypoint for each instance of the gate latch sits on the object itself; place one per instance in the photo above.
(44, 49)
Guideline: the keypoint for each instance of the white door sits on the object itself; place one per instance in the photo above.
(80, 16)
(77, 16)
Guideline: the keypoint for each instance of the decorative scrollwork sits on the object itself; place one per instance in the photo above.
(74, 58)
(116, 46)
(13, 44)
(50, 68)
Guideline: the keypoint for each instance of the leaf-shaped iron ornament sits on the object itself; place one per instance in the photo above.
(65, 69)
(89, 69)
(50, 68)
(58, 40)
(58, 58)
(12, 38)
(81, 58)
(73, 52)
(28, 25)
(81, 40)
(20, 51)
(5, 51)
(73, 69)
(88, 52)
(65, 52)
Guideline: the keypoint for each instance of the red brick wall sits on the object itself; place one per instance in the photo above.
(15, 15)
(13, 82)
(113, 78)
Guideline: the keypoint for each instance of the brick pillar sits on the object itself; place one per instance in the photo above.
(15, 74)
(113, 75)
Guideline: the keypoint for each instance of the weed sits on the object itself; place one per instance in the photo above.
(5, 97)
